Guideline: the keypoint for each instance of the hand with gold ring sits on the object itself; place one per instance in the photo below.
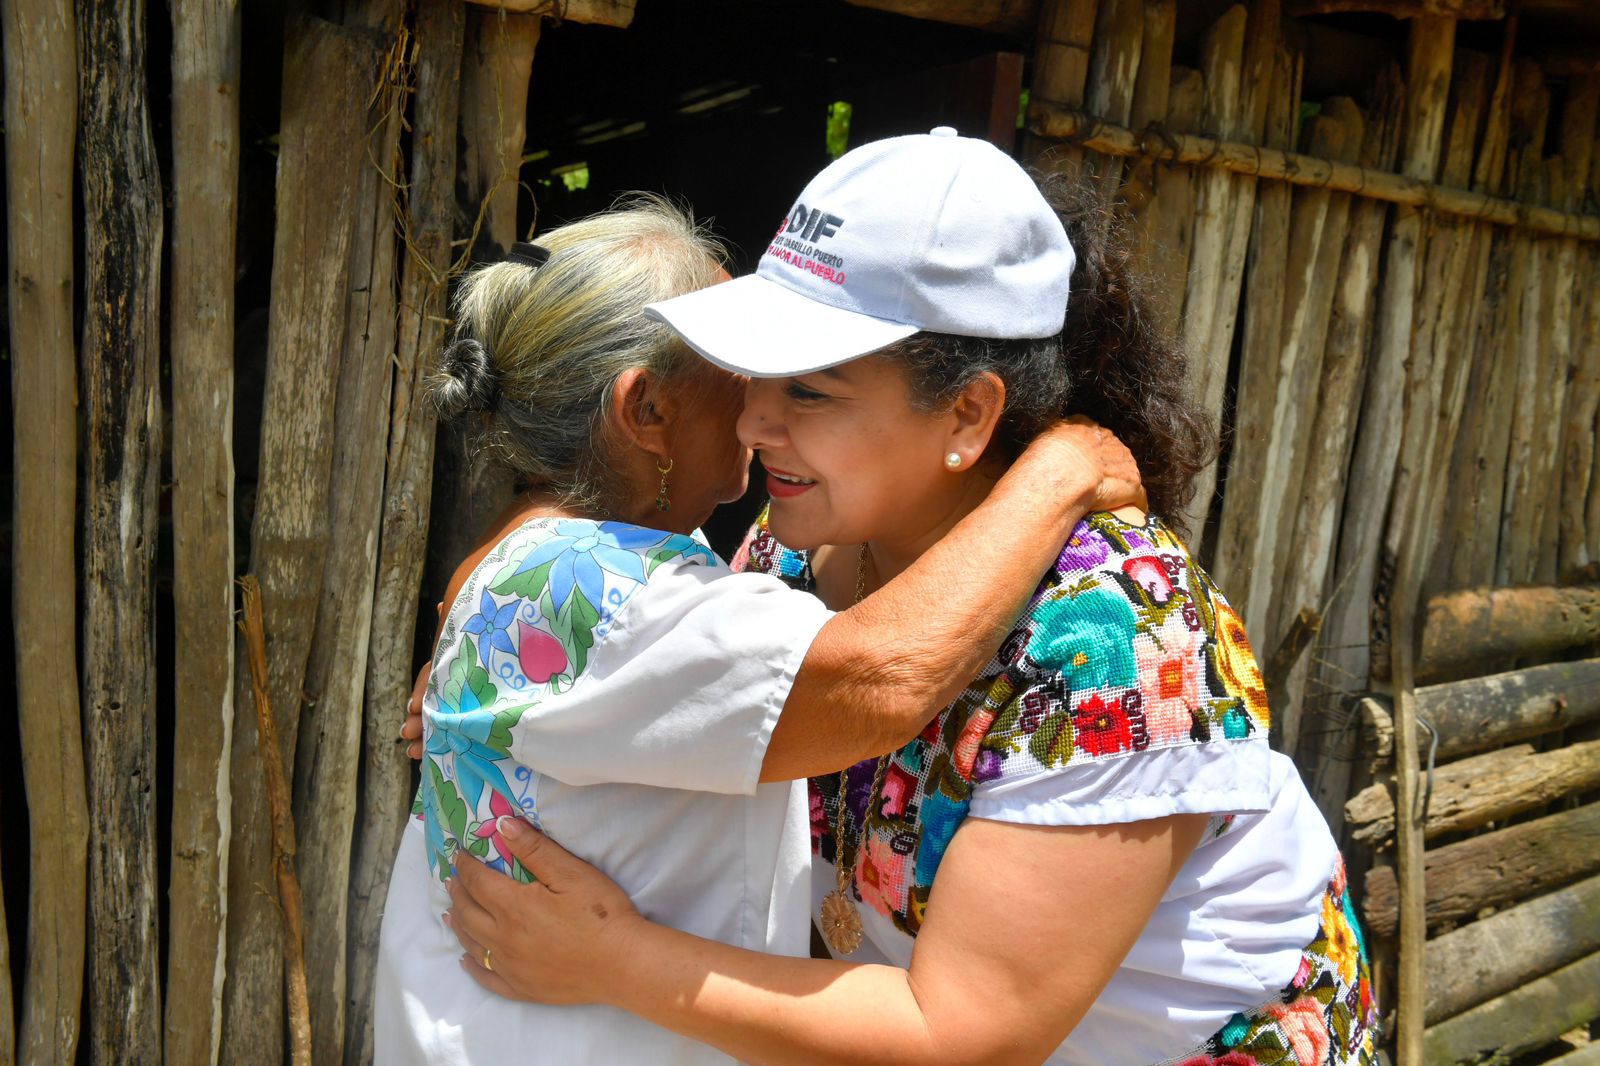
(488, 959)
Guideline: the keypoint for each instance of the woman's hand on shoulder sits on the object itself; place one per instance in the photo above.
(550, 940)
(1088, 462)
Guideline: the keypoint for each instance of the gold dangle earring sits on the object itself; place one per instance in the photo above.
(663, 502)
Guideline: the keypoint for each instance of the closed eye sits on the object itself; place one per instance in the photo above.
(800, 394)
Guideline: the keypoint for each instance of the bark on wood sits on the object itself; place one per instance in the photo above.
(1497, 1032)
(122, 393)
(1113, 73)
(1481, 712)
(1487, 788)
(1478, 625)
(386, 772)
(1208, 311)
(1588, 1055)
(1322, 492)
(1152, 90)
(1060, 68)
(328, 74)
(1494, 869)
(328, 753)
(497, 58)
(41, 91)
(1053, 122)
(1259, 368)
(1170, 219)
(1494, 955)
(618, 13)
(1577, 451)
(281, 820)
(205, 165)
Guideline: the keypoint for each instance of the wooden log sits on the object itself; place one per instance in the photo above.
(1588, 1055)
(1498, 1031)
(1114, 62)
(1488, 788)
(1205, 322)
(1322, 491)
(328, 77)
(205, 172)
(281, 817)
(1578, 439)
(386, 772)
(121, 185)
(1478, 625)
(619, 13)
(41, 92)
(1494, 869)
(1490, 957)
(497, 59)
(1060, 68)
(1234, 558)
(328, 752)
(1152, 91)
(1171, 217)
(1481, 712)
(1211, 153)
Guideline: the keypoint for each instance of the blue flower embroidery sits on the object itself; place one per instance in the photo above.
(492, 626)
(582, 553)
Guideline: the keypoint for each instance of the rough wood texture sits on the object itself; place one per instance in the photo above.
(328, 74)
(1481, 625)
(1404, 9)
(1577, 449)
(205, 166)
(41, 92)
(1210, 153)
(328, 751)
(1494, 955)
(1588, 1055)
(122, 405)
(386, 772)
(1113, 72)
(1211, 300)
(1169, 216)
(1060, 67)
(1497, 1032)
(1494, 869)
(281, 818)
(1481, 712)
(1487, 788)
(617, 13)
(497, 57)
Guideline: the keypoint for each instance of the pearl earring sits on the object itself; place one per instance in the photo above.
(953, 460)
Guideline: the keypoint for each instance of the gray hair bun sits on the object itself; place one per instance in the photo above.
(467, 379)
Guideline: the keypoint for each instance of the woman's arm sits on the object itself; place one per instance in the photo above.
(1025, 927)
(878, 671)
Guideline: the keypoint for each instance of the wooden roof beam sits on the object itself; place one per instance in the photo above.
(617, 13)
(1471, 10)
(1001, 16)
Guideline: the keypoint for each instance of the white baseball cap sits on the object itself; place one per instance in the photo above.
(927, 232)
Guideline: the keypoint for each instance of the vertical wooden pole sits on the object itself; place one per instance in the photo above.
(1578, 270)
(1152, 93)
(41, 116)
(497, 59)
(329, 72)
(122, 396)
(328, 751)
(1060, 69)
(205, 171)
(386, 772)
(1114, 62)
(1171, 224)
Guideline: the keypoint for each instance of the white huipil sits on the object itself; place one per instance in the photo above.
(618, 687)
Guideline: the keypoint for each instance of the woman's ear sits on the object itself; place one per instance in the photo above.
(973, 419)
(641, 410)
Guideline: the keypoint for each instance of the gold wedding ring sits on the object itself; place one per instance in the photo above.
(488, 959)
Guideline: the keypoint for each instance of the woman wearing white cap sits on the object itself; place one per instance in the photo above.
(601, 673)
(1090, 856)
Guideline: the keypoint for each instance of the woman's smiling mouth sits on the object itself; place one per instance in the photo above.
(783, 483)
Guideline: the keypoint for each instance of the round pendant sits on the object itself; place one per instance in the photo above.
(841, 925)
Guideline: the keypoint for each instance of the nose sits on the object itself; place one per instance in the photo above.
(761, 424)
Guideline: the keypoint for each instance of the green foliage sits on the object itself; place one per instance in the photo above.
(838, 128)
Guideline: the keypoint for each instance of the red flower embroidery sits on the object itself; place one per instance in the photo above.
(1102, 728)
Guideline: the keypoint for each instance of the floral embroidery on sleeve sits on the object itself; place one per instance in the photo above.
(545, 598)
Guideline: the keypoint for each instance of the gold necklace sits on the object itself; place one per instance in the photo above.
(838, 918)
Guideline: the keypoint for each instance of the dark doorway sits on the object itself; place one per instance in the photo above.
(726, 104)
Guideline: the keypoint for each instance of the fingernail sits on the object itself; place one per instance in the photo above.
(511, 828)
(445, 917)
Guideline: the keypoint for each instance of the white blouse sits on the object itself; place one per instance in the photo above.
(617, 686)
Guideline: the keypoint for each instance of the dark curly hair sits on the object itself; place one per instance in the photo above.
(1111, 362)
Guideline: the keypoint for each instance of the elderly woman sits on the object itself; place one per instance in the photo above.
(600, 673)
(1090, 856)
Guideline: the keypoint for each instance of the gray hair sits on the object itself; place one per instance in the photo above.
(536, 351)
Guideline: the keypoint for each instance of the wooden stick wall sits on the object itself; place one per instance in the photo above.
(1391, 297)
